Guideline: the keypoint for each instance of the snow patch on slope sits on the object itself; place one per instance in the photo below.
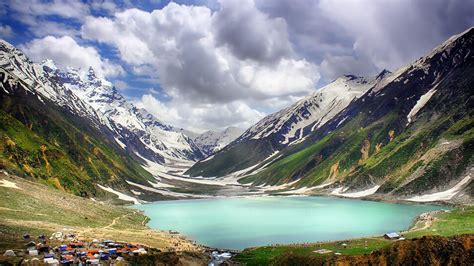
(121, 195)
(280, 187)
(208, 158)
(159, 184)
(420, 104)
(120, 143)
(298, 191)
(8, 184)
(166, 192)
(443, 195)
(150, 166)
(358, 194)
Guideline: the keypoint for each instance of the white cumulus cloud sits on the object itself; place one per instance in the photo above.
(201, 117)
(204, 69)
(65, 51)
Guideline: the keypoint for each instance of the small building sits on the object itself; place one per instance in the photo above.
(323, 251)
(391, 236)
(30, 246)
(33, 252)
(51, 261)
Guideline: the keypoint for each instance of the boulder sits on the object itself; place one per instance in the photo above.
(9, 253)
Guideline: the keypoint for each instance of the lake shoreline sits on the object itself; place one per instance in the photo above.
(376, 198)
(233, 254)
(199, 203)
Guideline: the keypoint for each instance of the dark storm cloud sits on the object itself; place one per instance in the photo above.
(393, 33)
(313, 35)
(363, 37)
(251, 34)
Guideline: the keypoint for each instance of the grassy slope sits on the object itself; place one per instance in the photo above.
(456, 222)
(50, 145)
(315, 161)
(39, 209)
(233, 158)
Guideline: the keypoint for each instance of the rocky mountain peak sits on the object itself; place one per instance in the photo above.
(383, 74)
(49, 65)
(212, 141)
(90, 96)
(91, 74)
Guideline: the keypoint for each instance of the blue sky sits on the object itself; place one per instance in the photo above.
(212, 64)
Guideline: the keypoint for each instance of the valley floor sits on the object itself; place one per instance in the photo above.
(33, 208)
(176, 186)
(170, 182)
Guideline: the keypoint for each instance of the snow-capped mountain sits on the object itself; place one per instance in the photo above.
(135, 129)
(408, 135)
(39, 115)
(94, 98)
(212, 141)
(308, 114)
(16, 67)
(290, 125)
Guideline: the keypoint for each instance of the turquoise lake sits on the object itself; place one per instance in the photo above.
(240, 222)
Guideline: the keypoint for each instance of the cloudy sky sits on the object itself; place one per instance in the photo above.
(211, 64)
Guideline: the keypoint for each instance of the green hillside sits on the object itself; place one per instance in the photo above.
(46, 143)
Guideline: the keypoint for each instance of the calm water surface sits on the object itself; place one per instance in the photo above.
(241, 222)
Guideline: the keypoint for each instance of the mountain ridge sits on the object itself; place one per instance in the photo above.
(213, 141)
(287, 126)
(153, 137)
(375, 144)
(63, 139)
